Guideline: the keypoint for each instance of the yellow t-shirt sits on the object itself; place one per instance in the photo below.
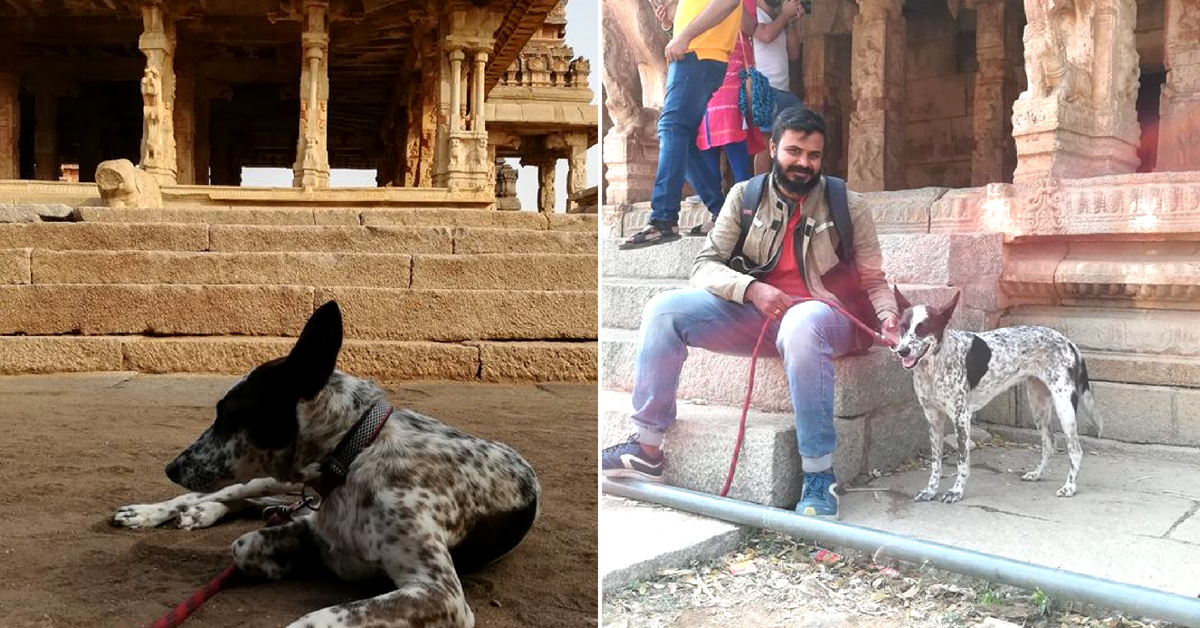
(716, 42)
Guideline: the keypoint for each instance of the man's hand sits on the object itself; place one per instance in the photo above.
(677, 48)
(660, 12)
(790, 10)
(891, 327)
(769, 300)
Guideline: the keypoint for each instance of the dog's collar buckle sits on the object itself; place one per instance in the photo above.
(336, 465)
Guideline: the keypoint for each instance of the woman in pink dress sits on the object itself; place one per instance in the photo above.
(723, 126)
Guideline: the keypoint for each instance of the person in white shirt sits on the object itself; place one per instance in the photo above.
(776, 43)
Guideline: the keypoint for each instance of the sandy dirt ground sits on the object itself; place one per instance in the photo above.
(74, 448)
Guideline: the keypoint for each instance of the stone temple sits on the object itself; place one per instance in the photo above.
(1040, 156)
(127, 241)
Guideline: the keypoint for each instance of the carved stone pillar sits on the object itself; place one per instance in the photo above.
(10, 124)
(468, 167)
(311, 170)
(995, 88)
(575, 146)
(185, 124)
(506, 187)
(877, 124)
(158, 93)
(546, 172)
(1179, 125)
(1078, 117)
(45, 134)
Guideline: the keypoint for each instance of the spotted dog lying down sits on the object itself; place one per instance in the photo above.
(956, 373)
(418, 503)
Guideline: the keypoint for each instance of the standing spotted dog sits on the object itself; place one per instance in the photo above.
(956, 373)
(403, 495)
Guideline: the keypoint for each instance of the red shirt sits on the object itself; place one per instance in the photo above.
(786, 274)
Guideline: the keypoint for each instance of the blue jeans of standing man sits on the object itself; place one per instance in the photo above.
(810, 335)
(690, 83)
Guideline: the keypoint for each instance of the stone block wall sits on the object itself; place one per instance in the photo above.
(940, 68)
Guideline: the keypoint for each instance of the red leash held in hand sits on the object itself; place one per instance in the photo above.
(737, 446)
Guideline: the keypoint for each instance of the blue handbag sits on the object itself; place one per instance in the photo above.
(756, 99)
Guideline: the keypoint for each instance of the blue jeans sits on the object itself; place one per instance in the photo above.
(783, 99)
(690, 83)
(740, 163)
(810, 335)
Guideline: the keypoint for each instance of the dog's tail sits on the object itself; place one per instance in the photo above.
(1082, 398)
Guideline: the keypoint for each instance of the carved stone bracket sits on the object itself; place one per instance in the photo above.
(1179, 125)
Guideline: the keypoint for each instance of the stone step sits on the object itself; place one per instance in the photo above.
(938, 259)
(864, 383)
(343, 216)
(536, 271)
(388, 361)
(699, 446)
(88, 236)
(369, 313)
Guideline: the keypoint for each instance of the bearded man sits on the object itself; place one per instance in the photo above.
(790, 250)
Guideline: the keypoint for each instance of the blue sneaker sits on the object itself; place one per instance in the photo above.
(819, 498)
(629, 460)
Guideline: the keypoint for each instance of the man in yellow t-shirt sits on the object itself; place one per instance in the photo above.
(705, 32)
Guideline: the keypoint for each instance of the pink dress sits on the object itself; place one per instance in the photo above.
(723, 123)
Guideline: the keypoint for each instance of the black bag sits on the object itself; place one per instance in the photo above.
(842, 280)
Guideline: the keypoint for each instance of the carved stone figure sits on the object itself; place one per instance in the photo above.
(124, 185)
(1057, 31)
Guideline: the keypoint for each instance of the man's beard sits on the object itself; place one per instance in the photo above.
(789, 180)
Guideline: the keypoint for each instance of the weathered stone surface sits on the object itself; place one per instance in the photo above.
(34, 354)
(14, 266)
(513, 241)
(539, 361)
(208, 215)
(526, 271)
(864, 383)
(1131, 413)
(666, 261)
(946, 259)
(168, 267)
(122, 184)
(624, 300)
(97, 237)
(337, 216)
(1143, 368)
(331, 238)
(454, 315)
(1165, 332)
(34, 212)
(589, 223)
(154, 310)
(484, 218)
(894, 434)
(903, 211)
(380, 360)
(1187, 417)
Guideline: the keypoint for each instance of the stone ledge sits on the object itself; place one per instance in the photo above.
(15, 266)
(538, 361)
(505, 271)
(65, 236)
(468, 241)
(255, 238)
(864, 383)
(59, 354)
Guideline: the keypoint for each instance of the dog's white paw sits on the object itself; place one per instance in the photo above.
(254, 553)
(1032, 476)
(925, 495)
(143, 516)
(949, 497)
(1067, 490)
(201, 515)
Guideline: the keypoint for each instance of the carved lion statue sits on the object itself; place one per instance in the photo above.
(124, 185)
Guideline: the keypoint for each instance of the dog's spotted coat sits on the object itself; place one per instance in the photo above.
(423, 502)
(956, 373)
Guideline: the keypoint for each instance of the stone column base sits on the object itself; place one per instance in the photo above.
(1065, 140)
(632, 164)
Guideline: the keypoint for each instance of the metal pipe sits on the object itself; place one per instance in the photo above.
(1055, 583)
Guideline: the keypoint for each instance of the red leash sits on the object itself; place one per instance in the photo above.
(185, 608)
(737, 446)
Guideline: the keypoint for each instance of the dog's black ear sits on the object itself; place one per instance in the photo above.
(901, 302)
(312, 360)
(947, 312)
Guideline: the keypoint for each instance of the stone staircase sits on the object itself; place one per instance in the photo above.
(877, 418)
(426, 292)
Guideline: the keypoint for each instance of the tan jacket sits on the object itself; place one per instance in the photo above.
(711, 269)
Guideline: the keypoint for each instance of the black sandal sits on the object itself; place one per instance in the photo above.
(701, 230)
(654, 233)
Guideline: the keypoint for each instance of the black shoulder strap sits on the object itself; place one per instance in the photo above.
(752, 196)
(839, 209)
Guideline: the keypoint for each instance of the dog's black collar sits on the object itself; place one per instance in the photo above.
(336, 465)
